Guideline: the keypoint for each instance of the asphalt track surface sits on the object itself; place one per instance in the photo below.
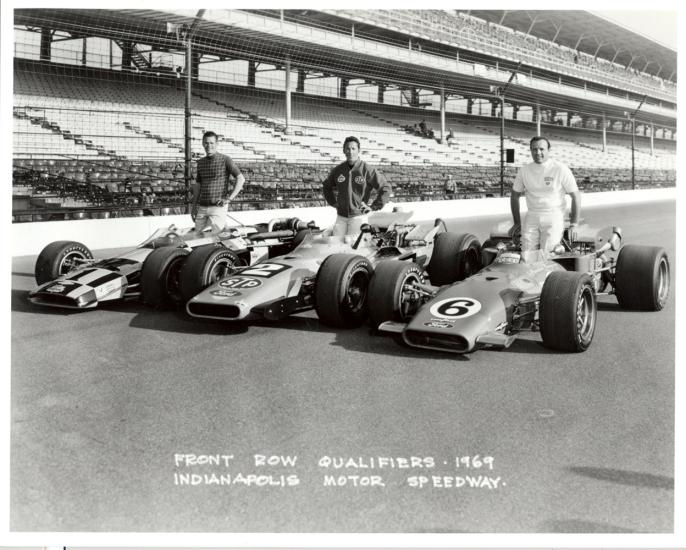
(111, 409)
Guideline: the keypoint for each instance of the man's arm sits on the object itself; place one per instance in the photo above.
(576, 207)
(240, 180)
(574, 214)
(329, 186)
(383, 190)
(195, 193)
(514, 207)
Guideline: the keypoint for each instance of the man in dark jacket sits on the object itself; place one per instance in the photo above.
(349, 186)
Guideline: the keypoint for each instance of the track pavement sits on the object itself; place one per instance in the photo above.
(130, 419)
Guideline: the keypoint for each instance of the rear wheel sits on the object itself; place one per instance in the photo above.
(642, 277)
(391, 295)
(205, 266)
(454, 258)
(341, 290)
(59, 258)
(161, 277)
(567, 311)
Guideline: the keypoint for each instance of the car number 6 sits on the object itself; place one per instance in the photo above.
(454, 308)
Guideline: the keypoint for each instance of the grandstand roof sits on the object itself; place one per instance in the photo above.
(591, 34)
(150, 27)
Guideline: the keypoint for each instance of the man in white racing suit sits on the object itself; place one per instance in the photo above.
(545, 183)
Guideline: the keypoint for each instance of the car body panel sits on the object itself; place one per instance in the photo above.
(461, 314)
(492, 306)
(118, 277)
(285, 284)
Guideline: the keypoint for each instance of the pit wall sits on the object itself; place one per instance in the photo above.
(30, 238)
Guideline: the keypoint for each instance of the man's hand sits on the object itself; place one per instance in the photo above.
(366, 209)
(515, 232)
(572, 233)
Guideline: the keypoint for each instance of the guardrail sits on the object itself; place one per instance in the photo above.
(30, 238)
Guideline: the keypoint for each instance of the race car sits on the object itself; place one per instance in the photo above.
(554, 296)
(69, 277)
(332, 274)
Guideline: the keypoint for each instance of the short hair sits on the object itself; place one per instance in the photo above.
(349, 139)
(539, 138)
(210, 134)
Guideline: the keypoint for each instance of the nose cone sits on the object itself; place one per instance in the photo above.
(454, 323)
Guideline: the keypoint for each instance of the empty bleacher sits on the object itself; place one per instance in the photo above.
(97, 142)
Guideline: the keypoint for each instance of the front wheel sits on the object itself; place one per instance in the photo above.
(161, 276)
(391, 293)
(567, 311)
(205, 266)
(59, 258)
(341, 290)
(642, 277)
(454, 258)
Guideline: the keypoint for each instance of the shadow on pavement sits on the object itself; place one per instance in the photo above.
(178, 321)
(625, 477)
(579, 526)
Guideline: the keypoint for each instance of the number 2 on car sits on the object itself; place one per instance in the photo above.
(265, 270)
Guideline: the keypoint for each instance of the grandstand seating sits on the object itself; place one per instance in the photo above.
(111, 141)
(472, 33)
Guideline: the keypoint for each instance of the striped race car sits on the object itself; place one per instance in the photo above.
(69, 277)
(332, 274)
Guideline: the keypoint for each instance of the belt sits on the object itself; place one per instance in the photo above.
(213, 203)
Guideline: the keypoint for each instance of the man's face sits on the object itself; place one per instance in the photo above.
(351, 151)
(539, 151)
(210, 145)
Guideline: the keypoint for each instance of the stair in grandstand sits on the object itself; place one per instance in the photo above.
(54, 128)
(426, 146)
(139, 60)
(170, 143)
(275, 129)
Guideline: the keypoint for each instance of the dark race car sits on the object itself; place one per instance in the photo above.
(69, 277)
(332, 274)
(556, 296)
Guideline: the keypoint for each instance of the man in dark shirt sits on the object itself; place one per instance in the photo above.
(349, 186)
(211, 190)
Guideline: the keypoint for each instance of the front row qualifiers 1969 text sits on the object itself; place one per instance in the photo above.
(466, 471)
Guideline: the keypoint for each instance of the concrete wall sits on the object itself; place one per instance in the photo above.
(30, 238)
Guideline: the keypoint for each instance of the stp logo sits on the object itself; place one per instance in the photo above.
(455, 308)
(359, 179)
(240, 282)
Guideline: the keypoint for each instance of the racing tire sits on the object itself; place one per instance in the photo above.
(568, 311)
(642, 277)
(59, 258)
(390, 299)
(161, 277)
(205, 266)
(454, 258)
(341, 290)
